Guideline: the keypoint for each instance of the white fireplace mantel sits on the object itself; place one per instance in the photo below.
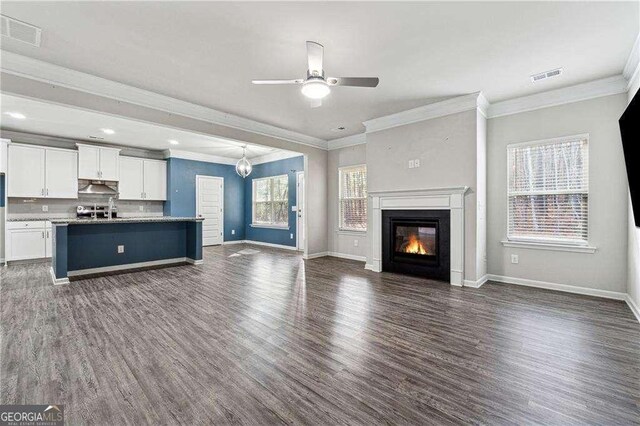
(451, 199)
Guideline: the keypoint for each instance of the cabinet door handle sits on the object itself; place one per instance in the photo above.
(47, 234)
(47, 191)
(42, 191)
(42, 234)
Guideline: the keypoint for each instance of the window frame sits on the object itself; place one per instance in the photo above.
(551, 243)
(341, 228)
(271, 224)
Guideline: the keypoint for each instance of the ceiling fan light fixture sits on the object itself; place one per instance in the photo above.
(315, 89)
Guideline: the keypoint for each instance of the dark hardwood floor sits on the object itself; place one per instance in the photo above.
(269, 338)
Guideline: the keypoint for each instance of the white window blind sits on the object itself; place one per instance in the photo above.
(353, 198)
(548, 191)
(271, 201)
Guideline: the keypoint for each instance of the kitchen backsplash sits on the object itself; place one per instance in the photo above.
(57, 208)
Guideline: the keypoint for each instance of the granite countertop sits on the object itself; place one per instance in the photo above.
(32, 219)
(75, 221)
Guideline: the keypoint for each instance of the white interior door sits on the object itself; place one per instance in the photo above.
(209, 205)
(300, 210)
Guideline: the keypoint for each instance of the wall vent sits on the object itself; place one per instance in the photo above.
(547, 74)
(21, 31)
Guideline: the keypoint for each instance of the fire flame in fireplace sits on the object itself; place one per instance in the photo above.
(414, 246)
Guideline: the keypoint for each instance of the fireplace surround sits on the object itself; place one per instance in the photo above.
(450, 199)
(416, 242)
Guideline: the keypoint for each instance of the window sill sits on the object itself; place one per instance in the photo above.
(265, 225)
(351, 232)
(549, 246)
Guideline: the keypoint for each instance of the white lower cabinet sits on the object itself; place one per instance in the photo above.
(29, 240)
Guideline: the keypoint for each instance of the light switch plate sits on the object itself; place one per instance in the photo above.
(411, 164)
(120, 249)
(355, 243)
(233, 232)
(291, 236)
(515, 258)
(141, 208)
(45, 208)
(416, 162)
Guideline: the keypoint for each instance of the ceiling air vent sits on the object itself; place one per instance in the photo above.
(547, 74)
(20, 31)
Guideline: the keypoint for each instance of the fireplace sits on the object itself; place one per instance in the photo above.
(416, 242)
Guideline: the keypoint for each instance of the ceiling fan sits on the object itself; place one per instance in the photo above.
(316, 86)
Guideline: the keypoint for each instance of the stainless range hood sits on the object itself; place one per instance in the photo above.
(97, 187)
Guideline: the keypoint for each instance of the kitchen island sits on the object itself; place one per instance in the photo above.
(95, 246)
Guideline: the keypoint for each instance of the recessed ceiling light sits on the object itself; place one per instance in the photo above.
(173, 142)
(17, 115)
(108, 131)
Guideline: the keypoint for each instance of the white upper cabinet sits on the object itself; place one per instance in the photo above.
(88, 162)
(142, 179)
(39, 172)
(131, 178)
(109, 169)
(3, 155)
(98, 163)
(155, 180)
(61, 174)
(26, 171)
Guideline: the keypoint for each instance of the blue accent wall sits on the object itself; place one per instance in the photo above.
(2, 190)
(181, 192)
(274, 168)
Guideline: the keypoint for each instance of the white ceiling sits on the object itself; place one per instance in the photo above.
(56, 120)
(208, 52)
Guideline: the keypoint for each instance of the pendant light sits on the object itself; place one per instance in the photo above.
(243, 166)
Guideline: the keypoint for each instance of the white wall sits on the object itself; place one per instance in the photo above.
(633, 234)
(340, 242)
(608, 198)
(447, 149)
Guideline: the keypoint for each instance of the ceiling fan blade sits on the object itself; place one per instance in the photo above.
(314, 57)
(315, 103)
(297, 81)
(353, 81)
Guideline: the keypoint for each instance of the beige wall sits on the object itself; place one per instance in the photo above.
(343, 242)
(447, 149)
(608, 198)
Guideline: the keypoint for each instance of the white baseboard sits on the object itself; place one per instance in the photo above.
(57, 281)
(227, 243)
(476, 284)
(632, 305)
(369, 267)
(315, 255)
(194, 262)
(347, 256)
(280, 246)
(559, 287)
(126, 266)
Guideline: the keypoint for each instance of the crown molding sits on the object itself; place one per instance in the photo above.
(426, 112)
(347, 141)
(196, 156)
(632, 67)
(579, 92)
(46, 72)
(274, 156)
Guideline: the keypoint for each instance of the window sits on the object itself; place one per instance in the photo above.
(548, 191)
(271, 201)
(353, 198)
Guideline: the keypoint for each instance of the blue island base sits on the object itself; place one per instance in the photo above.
(83, 248)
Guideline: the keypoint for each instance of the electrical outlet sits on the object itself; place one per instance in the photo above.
(291, 236)
(411, 164)
(355, 243)
(233, 232)
(141, 208)
(515, 258)
(120, 249)
(45, 208)
(416, 162)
